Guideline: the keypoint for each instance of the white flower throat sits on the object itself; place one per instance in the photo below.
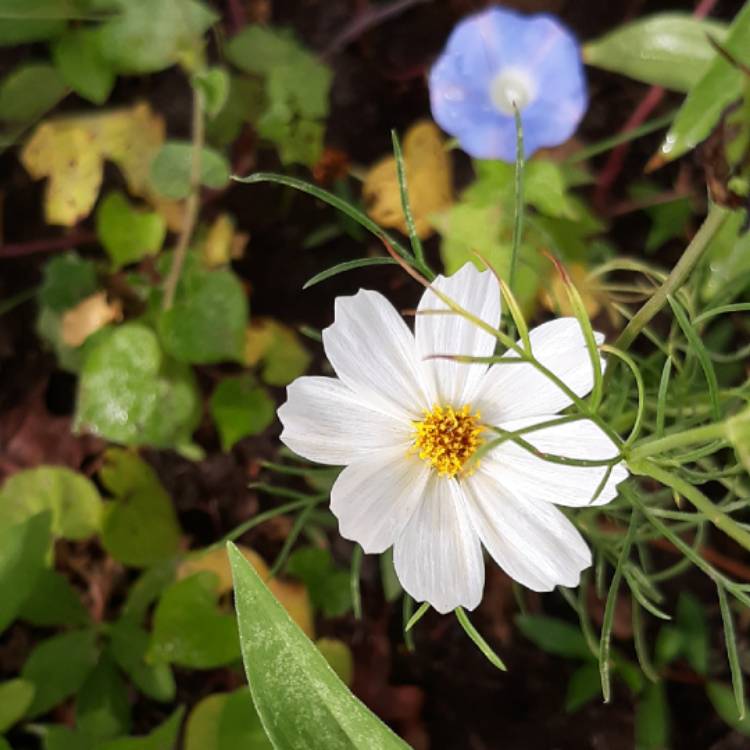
(447, 438)
(512, 88)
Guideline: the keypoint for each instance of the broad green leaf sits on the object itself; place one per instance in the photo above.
(102, 705)
(239, 408)
(692, 623)
(297, 91)
(723, 700)
(24, 546)
(728, 255)
(15, 698)
(22, 22)
(207, 322)
(245, 103)
(297, 141)
(226, 721)
(129, 644)
(52, 601)
(261, 50)
(145, 36)
(652, 719)
(302, 703)
(164, 737)
(140, 525)
(669, 645)
(339, 656)
(29, 91)
(545, 189)
(584, 685)
(668, 220)
(189, 630)
(468, 229)
(57, 668)
(4, 744)
(202, 726)
(67, 279)
(128, 234)
(329, 586)
(60, 737)
(72, 498)
(214, 85)
(130, 393)
(147, 589)
(49, 329)
(171, 169)
(665, 49)
(278, 349)
(239, 724)
(554, 636)
(717, 88)
(79, 60)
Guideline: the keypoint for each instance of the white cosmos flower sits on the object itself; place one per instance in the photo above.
(403, 426)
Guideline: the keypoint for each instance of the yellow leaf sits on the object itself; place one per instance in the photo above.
(222, 244)
(293, 596)
(87, 317)
(278, 346)
(74, 168)
(259, 337)
(70, 152)
(131, 139)
(429, 178)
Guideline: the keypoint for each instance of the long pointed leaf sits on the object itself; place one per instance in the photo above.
(301, 702)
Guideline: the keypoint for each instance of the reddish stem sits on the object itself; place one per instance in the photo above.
(611, 171)
(49, 245)
(236, 18)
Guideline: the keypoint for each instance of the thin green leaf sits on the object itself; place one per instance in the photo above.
(516, 314)
(609, 610)
(697, 348)
(481, 644)
(639, 640)
(348, 265)
(416, 243)
(417, 616)
(641, 388)
(332, 200)
(661, 398)
(730, 641)
(356, 572)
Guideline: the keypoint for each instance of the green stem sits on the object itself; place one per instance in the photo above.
(699, 244)
(703, 434)
(712, 512)
(192, 204)
(518, 216)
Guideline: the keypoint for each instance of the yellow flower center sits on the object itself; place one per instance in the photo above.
(447, 438)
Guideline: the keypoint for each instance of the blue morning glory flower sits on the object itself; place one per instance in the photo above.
(497, 58)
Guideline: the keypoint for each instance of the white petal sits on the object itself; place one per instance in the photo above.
(375, 497)
(373, 352)
(327, 422)
(531, 541)
(513, 391)
(449, 333)
(529, 476)
(438, 558)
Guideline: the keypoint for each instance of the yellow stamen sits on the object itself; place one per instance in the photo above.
(447, 438)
